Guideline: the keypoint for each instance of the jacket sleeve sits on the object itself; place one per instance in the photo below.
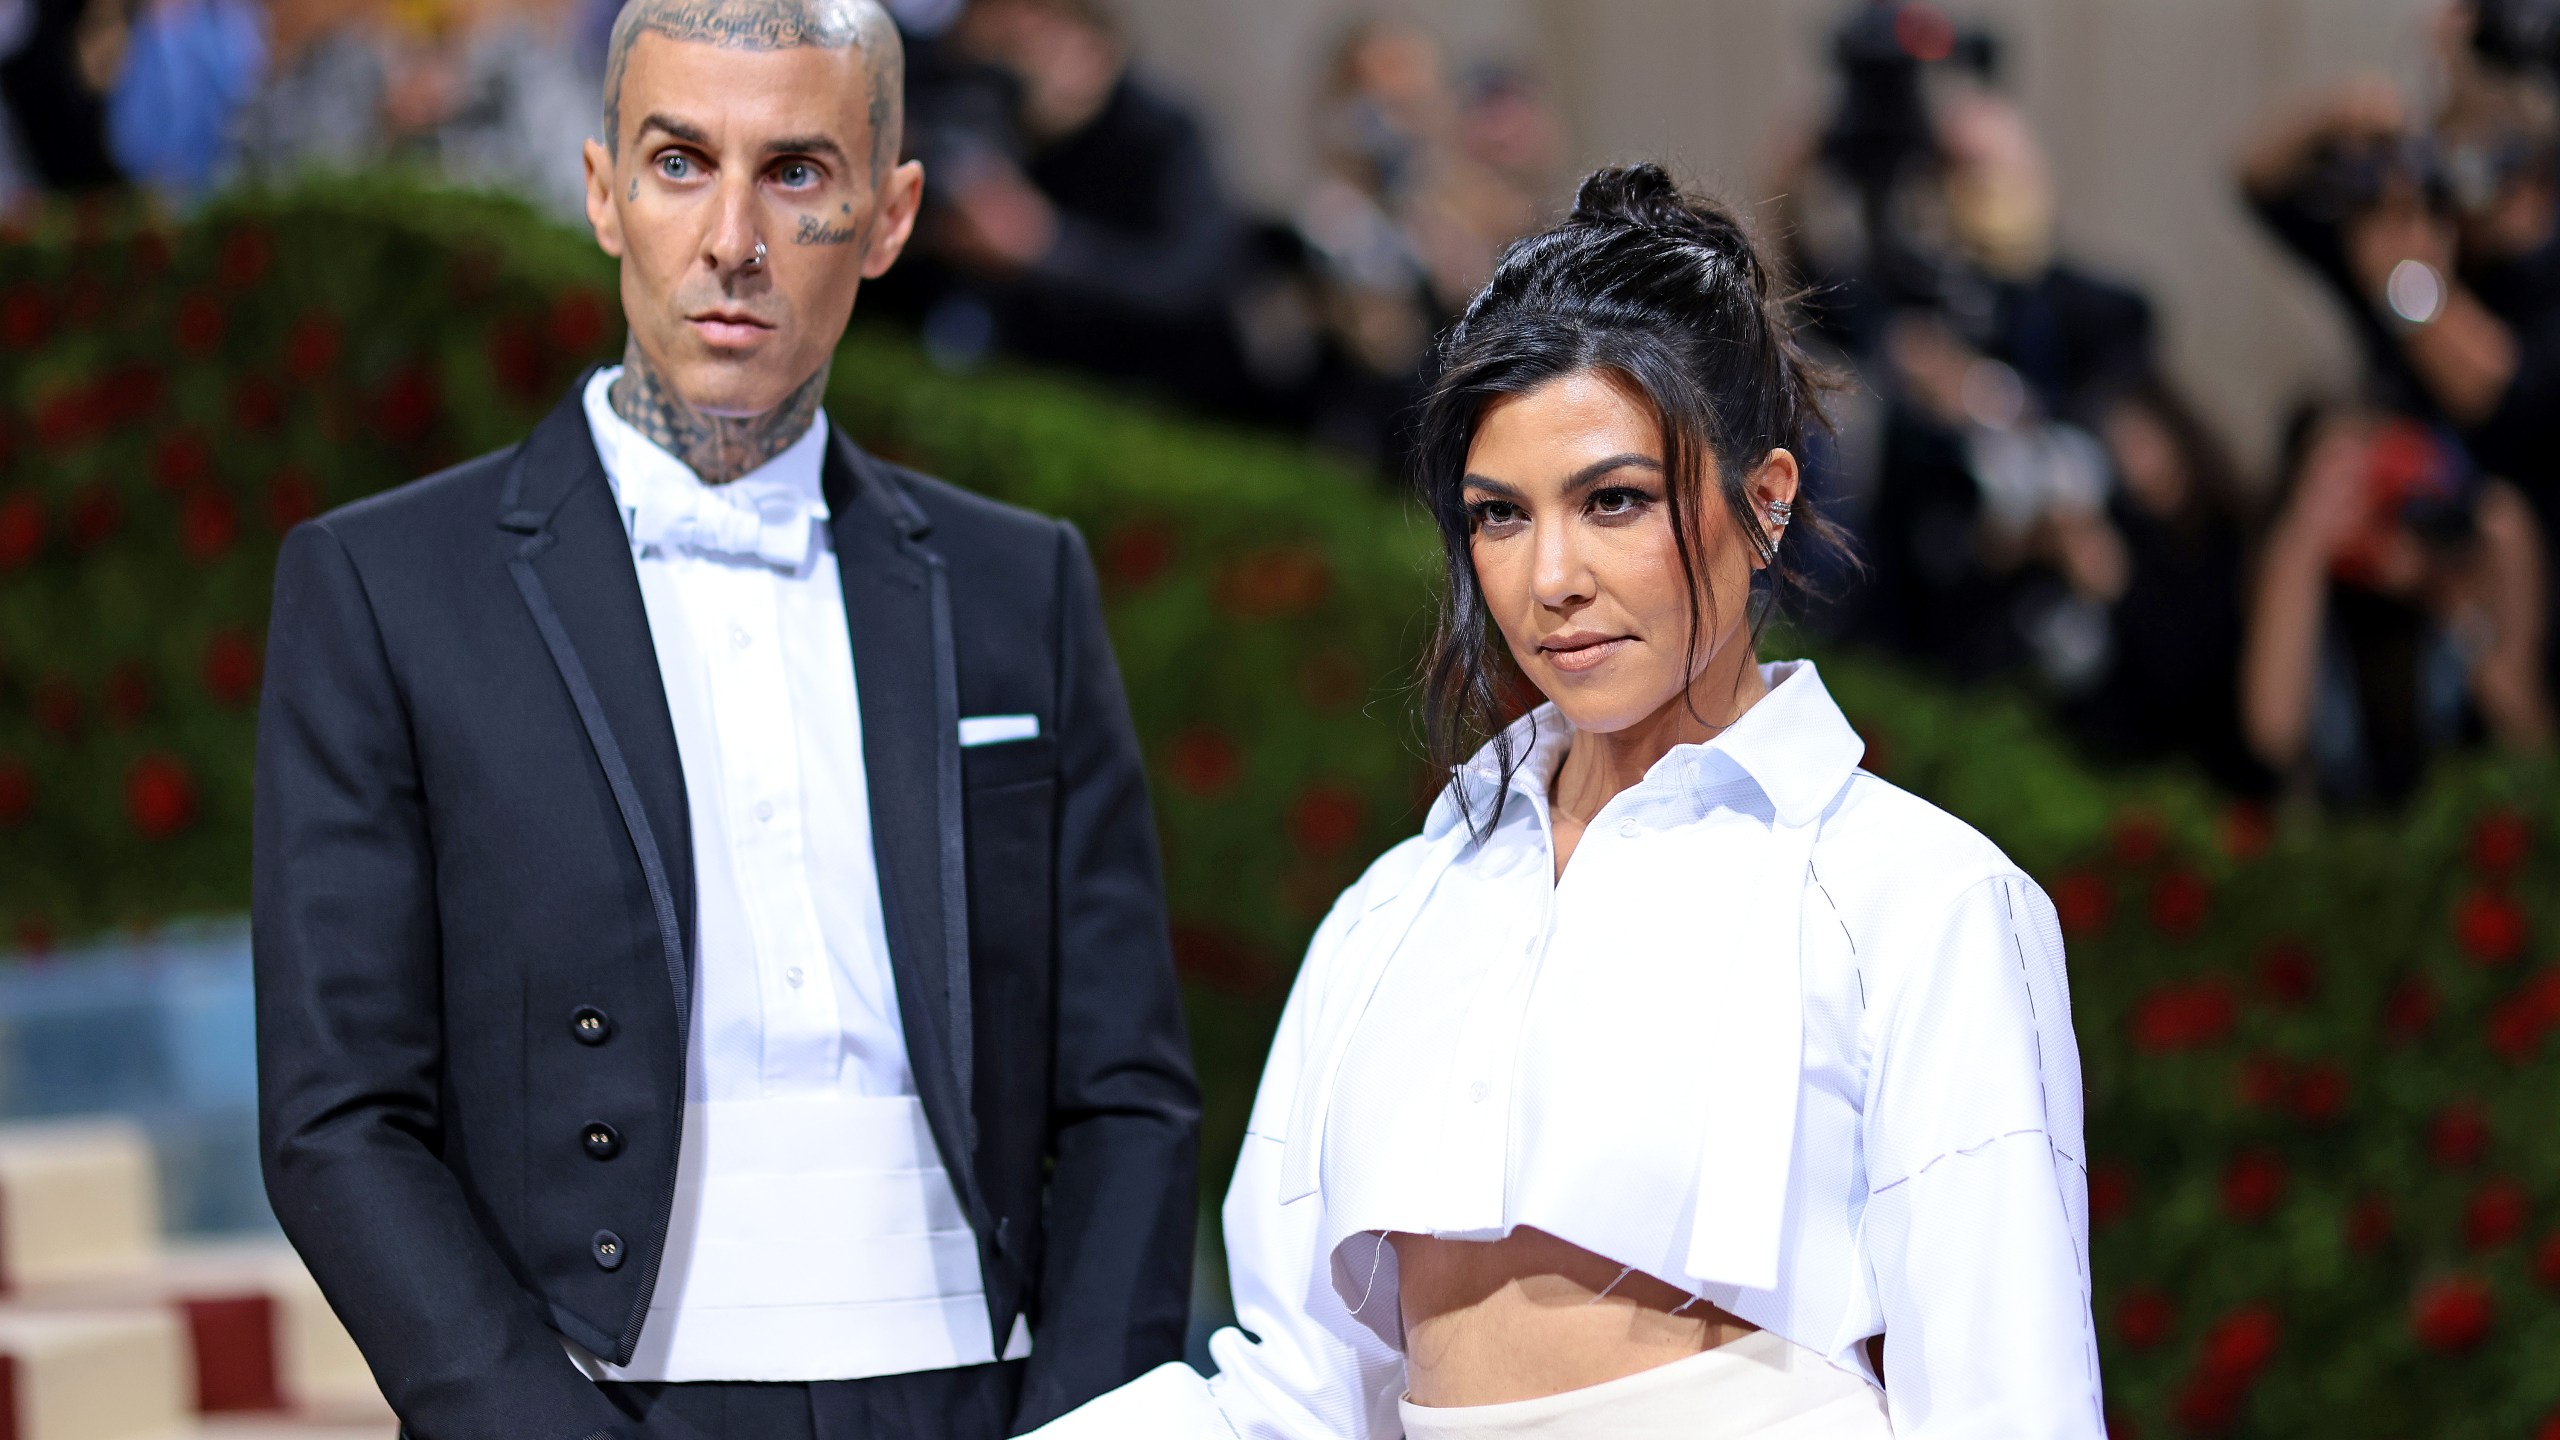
(351, 1041)
(1297, 1365)
(1977, 1214)
(1115, 1284)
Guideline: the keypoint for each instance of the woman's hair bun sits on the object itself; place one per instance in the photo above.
(1640, 196)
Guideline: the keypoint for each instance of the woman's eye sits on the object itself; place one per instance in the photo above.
(1496, 514)
(1618, 501)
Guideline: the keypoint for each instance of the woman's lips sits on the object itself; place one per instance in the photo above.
(1575, 655)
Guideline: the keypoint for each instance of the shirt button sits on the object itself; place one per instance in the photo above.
(764, 809)
(739, 637)
(607, 1248)
(1478, 1091)
(792, 977)
(602, 1140)
(1627, 829)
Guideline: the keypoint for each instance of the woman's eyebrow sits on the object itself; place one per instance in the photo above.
(1593, 473)
(1495, 487)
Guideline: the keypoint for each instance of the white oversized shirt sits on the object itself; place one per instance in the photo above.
(1782, 1035)
(816, 1234)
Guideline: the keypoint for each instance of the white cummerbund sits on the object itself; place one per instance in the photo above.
(813, 1238)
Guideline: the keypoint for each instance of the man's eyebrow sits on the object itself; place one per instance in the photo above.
(805, 145)
(689, 134)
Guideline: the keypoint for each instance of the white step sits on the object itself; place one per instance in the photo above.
(261, 1337)
(78, 1201)
(73, 1376)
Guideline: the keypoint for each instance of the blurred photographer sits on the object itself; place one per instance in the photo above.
(2443, 238)
(2399, 612)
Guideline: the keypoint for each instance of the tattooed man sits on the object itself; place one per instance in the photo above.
(711, 967)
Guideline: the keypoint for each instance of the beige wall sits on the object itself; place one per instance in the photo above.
(2143, 103)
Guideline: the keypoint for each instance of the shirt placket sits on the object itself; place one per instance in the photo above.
(752, 711)
(1476, 1112)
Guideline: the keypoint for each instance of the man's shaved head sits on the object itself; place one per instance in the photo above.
(772, 25)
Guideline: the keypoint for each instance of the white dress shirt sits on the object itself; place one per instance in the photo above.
(816, 1234)
(1782, 1035)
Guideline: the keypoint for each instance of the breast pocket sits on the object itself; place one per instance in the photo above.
(1009, 796)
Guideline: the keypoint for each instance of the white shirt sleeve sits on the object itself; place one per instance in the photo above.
(1297, 1365)
(1977, 1213)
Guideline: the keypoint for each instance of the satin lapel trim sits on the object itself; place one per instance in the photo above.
(589, 608)
(907, 681)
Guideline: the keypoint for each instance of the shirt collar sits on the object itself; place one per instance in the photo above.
(645, 474)
(1794, 744)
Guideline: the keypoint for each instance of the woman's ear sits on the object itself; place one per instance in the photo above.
(1772, 489)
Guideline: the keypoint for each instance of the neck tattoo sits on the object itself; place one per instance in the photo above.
(719, 448)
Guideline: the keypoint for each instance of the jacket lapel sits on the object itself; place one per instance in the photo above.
(571, 561)
(906, 680)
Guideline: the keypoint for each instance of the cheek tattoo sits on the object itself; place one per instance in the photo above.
(814, 231)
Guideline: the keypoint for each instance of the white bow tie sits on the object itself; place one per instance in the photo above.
(771, 525)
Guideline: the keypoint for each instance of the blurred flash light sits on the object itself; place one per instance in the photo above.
(1925, 33)
(2415, 291)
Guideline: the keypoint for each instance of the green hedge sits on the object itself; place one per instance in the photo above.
(2317, 1059)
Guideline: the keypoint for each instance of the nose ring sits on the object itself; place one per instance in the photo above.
(756, 259)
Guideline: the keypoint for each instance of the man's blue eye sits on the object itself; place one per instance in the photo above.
(673, 166)
(796, 175)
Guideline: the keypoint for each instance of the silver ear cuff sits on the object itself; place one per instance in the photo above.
(1780, 512)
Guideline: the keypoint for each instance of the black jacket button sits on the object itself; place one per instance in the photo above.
(602, 1140)
(591, 1025)
(607, 1248)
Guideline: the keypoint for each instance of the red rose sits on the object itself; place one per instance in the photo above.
(577, 322)
(2241, 1343)
(1283, 580)
(257, 404)
(2110, 1194)
(17, 790)
(245, 253)
(2290, 975)
(291, 498)
(207, 524)
(58, 706)
(21, 529)
(67, 417)
(150, 251)
(2321, 1092)
(1325, 819)
(127, 695)
(2144, 1318)
(2139, 837)
(2546, 1261)
(97, 513)
(181, 462)
(2459, 1135)
(2409, 1009)
(138, 391)
(24, 318)
(2184, 1017)
(406, 408)
(1137, 553)
(2178, 903)
(2082, 901)
(2210, 1403)
(2495, 1216)
(1332, 680)
(2247, 829)
(516, 359)
(198, 330)
(1203, 762)
(2549, 1429)
(2264, 1080)
(2368, 1224)
(2453, 1314)
(231, 668)
(2489, 925)
(159, 796)
(312, 346)
(2498, 843)
(2518, 1026)
(2252, 1186)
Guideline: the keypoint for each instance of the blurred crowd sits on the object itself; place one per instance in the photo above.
(2036, 500)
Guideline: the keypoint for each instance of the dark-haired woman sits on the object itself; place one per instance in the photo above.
(1680, 1079)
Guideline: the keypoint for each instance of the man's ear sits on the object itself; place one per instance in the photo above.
(602, 213)
(901, 195)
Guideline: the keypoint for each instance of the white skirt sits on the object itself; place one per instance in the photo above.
(1761, 1386)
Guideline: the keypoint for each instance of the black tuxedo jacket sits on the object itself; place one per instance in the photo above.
(474, 927)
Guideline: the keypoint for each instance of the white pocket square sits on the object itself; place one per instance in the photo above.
(997, 729)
